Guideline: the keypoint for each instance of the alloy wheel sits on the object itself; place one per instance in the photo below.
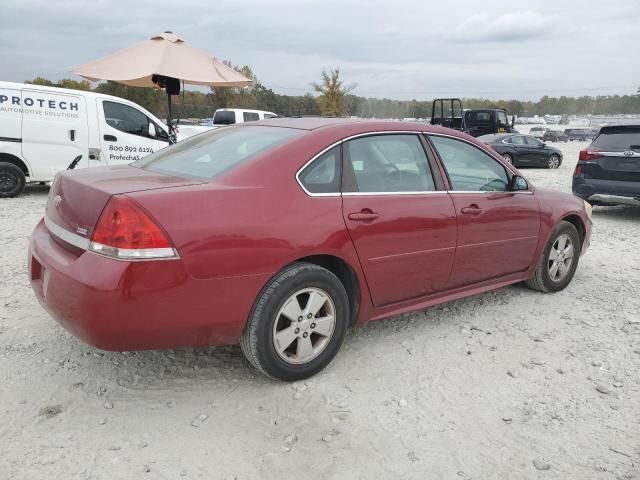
(554, 161)
(560, 258)
(304, 325)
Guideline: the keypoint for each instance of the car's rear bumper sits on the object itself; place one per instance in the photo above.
(123, 305)
(612, 192)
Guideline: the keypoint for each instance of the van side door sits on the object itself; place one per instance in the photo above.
(126, 133)
(54, 132)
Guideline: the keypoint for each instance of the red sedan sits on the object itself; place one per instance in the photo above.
(281, 234)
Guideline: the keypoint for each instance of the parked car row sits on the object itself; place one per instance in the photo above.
(569, 134)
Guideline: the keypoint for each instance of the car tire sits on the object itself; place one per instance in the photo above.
(508, 158)
(549, 278)
(12, 180)
(290, 291)
(554, 161)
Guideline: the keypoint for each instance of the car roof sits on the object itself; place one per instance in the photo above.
(355, 125)
(492, 137)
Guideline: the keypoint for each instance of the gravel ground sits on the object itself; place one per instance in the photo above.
(509, 384)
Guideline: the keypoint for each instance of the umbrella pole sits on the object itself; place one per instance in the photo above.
(172, 132)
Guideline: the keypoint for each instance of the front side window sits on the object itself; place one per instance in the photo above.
(127, 119)
(386, 163)
(502, 118)
(212, 154)
(250, 116)
(323, 174)
(469, 168)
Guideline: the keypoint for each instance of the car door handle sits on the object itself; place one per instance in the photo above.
(364, 216)
(472, 209)
(110, 138)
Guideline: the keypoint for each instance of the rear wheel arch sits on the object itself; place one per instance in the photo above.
(347, 276)
(8, 158)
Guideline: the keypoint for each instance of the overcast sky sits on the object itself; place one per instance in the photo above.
(400, 49)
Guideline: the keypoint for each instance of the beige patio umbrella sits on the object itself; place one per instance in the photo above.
(162, 61)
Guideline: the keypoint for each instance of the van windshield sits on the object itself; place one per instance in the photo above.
(209, 155)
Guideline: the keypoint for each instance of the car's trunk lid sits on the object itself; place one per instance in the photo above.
(77, 197)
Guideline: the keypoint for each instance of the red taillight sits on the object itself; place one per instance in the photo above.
(578, 170)
(125, 230)
(589, 155)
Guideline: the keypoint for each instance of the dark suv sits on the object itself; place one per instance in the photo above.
(581, 134)
(554, 136)
(608, 171)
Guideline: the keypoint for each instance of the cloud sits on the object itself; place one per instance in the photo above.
(510, 27)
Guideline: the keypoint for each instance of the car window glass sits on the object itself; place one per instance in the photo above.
(502, 118)
(126, 119)
(517, 140)
(386, 163)
(618, 138)
(250, 116)
(534, 142)
(323, 174)
(508, 140)
(469, 168)
(211, 154)
(224, 117)
(270, 115)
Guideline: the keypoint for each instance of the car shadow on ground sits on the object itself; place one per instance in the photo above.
(214, 367)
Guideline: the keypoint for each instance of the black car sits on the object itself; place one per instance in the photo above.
(580, 134)
(523, 150)
(608, 171)
(554, 136)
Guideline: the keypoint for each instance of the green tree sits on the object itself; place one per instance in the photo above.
(333, 94)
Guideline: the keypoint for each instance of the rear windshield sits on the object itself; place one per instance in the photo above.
(208, 155)
(622, 138)
(226, 117)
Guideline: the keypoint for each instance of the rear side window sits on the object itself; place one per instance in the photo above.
(270, 115)
(224, 118)
(469, 168)
(323, 174)
(386, 164)
(210, 155)
(623, 138)
(250, 116)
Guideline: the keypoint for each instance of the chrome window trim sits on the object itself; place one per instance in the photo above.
(65, 235)
(401, 132)
(339, 142)
(313, 159)
(364, 194)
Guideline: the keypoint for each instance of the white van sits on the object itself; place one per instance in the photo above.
(44, 129)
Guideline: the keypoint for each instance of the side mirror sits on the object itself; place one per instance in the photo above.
(152, 130)
(517, 183)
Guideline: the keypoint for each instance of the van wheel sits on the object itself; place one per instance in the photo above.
(297, 324)
(12, 180)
